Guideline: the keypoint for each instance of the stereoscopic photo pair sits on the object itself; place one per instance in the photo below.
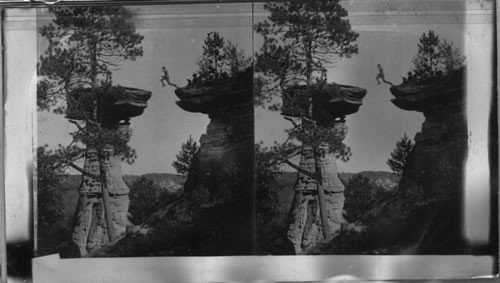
(280, 128)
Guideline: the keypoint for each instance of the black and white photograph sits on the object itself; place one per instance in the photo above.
(270, 128)
(145, 131)
(361, 130)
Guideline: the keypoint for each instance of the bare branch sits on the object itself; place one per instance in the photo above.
(77, 125)
(292, 121)
(81, 170)
(298, 168)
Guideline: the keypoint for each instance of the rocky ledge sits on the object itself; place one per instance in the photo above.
(440, 150)
(115, 106)
(210, 99)
(435, 171)
(115, 103)
(220, 180)
(330, 101)
(426, 97)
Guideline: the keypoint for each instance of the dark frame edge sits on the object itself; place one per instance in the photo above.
(38, 3)
(3, 228)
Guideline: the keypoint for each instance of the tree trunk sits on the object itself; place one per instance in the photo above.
(105, 195)
(321, 191)
(101, 154)
(315, 146)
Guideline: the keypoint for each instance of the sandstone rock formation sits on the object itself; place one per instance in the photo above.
(221, 174)
(331, 103)
(438, 160)
(435, 169)
(116, 105)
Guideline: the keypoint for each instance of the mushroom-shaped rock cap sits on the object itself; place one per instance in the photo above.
(114, 103)
(422, 97)
(341, 100)
(208, 98)
(333, 100)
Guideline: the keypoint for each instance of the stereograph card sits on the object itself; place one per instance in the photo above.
(244, 141)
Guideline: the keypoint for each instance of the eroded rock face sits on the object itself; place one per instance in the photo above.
(330, 104)
(435, 170)
(330, 101)
(90, 231)
(438, 161)
(221, 174)
(226, 146)
(305, 229)
(116, 103)
(228, 141)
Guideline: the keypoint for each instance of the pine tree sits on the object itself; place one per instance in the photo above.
(85, 44)
(185, 156)
(213, 57)
(49, 190)
(301, 39)
(427, 58)
(221, 59)
(399, 156)
(435, 59)
(235, 58)
(451, 58)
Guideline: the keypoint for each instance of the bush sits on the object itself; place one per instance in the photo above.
(143, 199)
(51, 229)
(361, 195)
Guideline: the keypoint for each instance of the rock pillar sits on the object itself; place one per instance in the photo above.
(116, 105)
(330, 105)
(90, 231)
(219, 187)
(226, 147)
(306, 229)
(435, 171)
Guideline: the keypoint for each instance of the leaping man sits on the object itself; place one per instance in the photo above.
(380, 76)
(166, 78)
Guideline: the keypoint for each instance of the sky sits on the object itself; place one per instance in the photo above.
(173, 37)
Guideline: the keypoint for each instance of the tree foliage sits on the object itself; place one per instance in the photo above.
(185, 156)
(85, 45)
(267, 171)
(270, 221)
(220, 60)
(435, 59)
(49, 189)
(358, 197)
(301, 39)
(361, 195)
(451, 58)
(399, 157)
(143, 199)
